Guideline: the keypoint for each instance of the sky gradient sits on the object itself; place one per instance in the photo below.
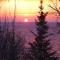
(25, 9)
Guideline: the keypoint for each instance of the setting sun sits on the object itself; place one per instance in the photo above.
(25, 20)
(25, 8)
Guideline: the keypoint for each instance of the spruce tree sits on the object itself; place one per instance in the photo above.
(40, 48)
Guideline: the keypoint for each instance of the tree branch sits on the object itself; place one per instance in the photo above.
(55, 9)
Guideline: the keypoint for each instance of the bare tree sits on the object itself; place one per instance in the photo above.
(55, 8)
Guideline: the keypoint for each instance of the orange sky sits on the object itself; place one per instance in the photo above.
(24, 8)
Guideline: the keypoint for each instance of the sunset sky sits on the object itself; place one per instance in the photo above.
(25, 9)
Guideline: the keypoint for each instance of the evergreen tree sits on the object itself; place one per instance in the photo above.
(10, 42)
(10, 47)
(40, 49)
(15, 48)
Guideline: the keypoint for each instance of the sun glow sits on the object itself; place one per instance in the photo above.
(25, 7)
(25, 20)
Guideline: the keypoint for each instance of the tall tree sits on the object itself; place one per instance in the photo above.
(10, 42)
(40, 49)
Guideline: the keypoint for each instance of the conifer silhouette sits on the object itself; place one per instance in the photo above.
(40, 49)
(10, 42)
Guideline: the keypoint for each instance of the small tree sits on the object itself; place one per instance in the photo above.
(10, 47)
(15, 48)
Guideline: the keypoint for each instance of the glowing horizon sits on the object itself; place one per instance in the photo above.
(24, 8)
